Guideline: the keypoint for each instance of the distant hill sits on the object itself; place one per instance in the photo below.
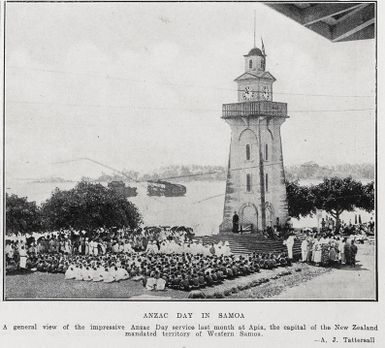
(51, 180)
(176, 172)
(312, 170)
(188, 173)
(183, 173)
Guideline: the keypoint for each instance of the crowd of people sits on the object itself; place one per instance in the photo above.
(21, 250)
(160, 257)
(327, 250)
(184, 271)
(101, 241)
(328, 225)
(332, 245)
(170, 257)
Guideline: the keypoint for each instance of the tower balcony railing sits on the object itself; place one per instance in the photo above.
(254, 108)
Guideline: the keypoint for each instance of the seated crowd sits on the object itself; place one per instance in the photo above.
(184, 271)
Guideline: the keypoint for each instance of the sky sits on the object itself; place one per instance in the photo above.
(141, 86)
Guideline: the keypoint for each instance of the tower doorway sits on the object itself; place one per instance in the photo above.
(248, 216)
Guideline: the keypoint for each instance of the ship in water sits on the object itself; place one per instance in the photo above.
(120, 187)
(165, 188)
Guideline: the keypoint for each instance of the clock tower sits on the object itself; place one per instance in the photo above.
(255, 186)
(255, 83)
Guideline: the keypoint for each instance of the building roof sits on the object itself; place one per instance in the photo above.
(339, 21)
(254, 52)
(259, 74)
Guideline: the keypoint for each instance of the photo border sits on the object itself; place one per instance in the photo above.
(225, 300)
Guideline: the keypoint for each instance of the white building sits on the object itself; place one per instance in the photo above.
(255, 187)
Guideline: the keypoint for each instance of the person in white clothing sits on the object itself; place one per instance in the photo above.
(289, 244)
(23, 257)
(78, 272)
(160, 284)
(121, 274)
(304, 249)
(151, 283)
(70, 273)
(98, 274)
(108, 276)
(127, 247)
(87, 274)
(226, 248)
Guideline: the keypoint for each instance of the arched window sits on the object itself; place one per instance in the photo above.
(248, 152)
(266, 152)
(250, 64)
(267, 182)
(248, 182)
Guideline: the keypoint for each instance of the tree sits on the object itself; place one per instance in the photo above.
(336, 195)
(367, 199)
(300, 199)
(131, 175)
(89, 207)
(22, 216)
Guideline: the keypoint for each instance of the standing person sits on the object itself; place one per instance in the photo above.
(347, 252)
(325, 250)
(332, 225)
(82, 246)
(304, 249)
(309, 256)
(334, 250)
(235, 222)
(317, 254)
(212, 249)
(353, 253)
(323, 223)
(87, 248)
(289, 244)
(341, 249)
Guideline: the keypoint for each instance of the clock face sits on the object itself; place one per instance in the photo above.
(248, 93)
(265, 93)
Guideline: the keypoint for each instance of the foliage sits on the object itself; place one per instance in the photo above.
(333, 195)
(21, 215)
(89, 206)
(367, 199)
(300, 199)
(336, 195)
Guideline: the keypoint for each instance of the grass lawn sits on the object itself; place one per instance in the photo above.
(53, 286)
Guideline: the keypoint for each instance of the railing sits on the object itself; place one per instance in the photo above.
(254, 108)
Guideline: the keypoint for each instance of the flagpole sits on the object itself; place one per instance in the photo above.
(254, 26)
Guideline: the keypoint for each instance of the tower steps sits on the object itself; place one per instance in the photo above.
(247, 244)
